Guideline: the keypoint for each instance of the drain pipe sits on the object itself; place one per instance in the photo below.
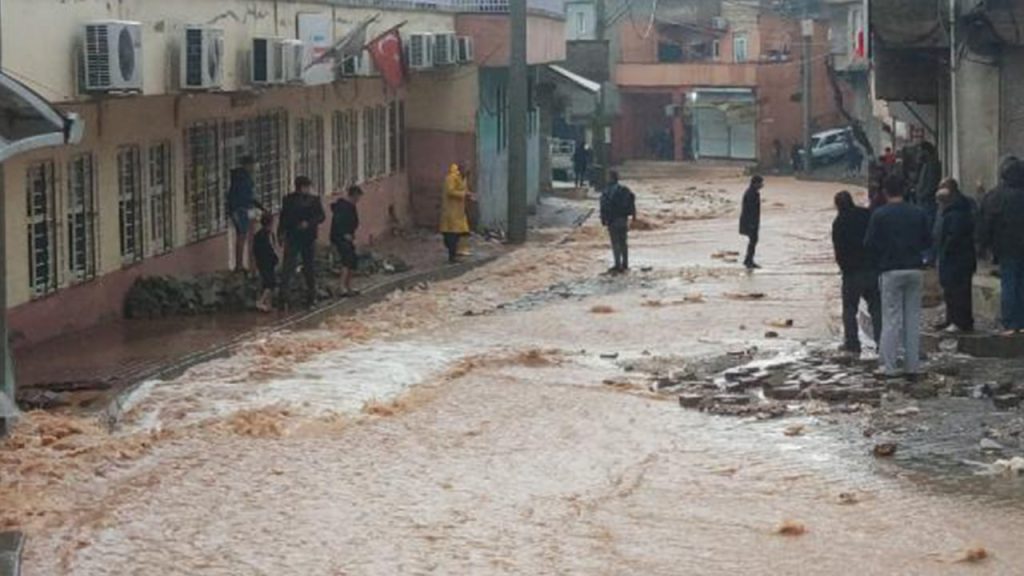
(954, 136)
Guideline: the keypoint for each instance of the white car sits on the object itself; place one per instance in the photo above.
(830, 146)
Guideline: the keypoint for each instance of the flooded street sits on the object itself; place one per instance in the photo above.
(489, 425)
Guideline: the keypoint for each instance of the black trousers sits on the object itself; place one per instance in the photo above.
(618, 232)
(451, 242)
(857, 286)
(581, 174)
(751, 248)
(295, 251)
(959, 303)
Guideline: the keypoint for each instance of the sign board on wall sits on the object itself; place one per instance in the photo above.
(316, 34)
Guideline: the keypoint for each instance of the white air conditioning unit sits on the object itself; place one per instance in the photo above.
(202, 58)
(367, 66)
(446, 49)
(294, 54)
(420, 49)
(112, 57)
(719, 23)
(465, 49)
(266, 62)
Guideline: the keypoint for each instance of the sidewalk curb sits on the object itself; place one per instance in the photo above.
(114, 410)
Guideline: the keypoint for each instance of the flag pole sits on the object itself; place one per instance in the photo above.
(385, 33)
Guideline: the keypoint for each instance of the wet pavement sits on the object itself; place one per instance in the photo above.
(503, 423)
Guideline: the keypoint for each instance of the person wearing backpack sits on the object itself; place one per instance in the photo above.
(344, 223)
(618, 205)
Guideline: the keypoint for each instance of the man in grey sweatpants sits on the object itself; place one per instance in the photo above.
(898, 236)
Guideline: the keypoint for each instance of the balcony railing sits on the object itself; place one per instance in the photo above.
(549, 7)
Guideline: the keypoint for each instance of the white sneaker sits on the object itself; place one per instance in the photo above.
(952, 329)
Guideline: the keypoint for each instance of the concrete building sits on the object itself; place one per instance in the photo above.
(849, 41)
(714, 79)
(144, 192)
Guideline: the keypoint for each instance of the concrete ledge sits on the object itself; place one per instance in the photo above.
(113, 412)
(11, 546)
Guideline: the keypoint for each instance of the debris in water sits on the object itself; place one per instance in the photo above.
(771, 334)
(602, 309)
(1012, 467)
(610, 356)
(787, 323)
(908, 411)
(794, 430)
(974, 554)
(695, 298)
(642, 225)
(260, 423)
(724, 254)
(884, 449)
(791, 528)
(848, 498)
(745, 295)
(653, 303)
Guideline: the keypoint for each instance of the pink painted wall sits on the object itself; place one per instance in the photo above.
(435, 151)
(374, 219)
(490, 32)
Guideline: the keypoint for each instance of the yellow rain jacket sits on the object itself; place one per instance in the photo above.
(453, 205)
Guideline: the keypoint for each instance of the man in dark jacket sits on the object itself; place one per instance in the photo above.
(750, 219)
(897, 237)
(618, 205)
(955, 253)
(344, 223)
(860, 280)
(240, 201)
(580, 163)
(1002, 232)
(301, 214)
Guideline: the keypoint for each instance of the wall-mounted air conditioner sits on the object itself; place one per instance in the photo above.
(266, 61)
(719, 23)
(112, 57)
(202, 58)
(446, 49)
(367, 66)
(465, 49)
(420, 55)
(294, 53)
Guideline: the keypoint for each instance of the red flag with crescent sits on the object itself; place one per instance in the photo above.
(386, 51)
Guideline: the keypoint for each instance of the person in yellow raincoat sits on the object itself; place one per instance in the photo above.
(454, 222)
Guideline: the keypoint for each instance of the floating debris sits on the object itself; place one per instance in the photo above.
(884, 449)
(794, 430)
(602, 309)
(791, 528)
(974, 554)
(745, 295)
(848, 498)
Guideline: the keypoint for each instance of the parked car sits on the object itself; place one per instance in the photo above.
(830, 146)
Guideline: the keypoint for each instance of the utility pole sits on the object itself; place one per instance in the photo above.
(518, 90)
(807, 30)
(954, 114)
(601, 154)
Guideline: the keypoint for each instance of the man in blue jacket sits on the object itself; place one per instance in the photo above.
(897, 237)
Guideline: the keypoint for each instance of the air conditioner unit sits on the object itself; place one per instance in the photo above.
(719, 23)
(202, 58)
(112, 57)
(465, 49)
(267, 61)
(420, 51)
(294, 55)
(367, 66)
(446, 49)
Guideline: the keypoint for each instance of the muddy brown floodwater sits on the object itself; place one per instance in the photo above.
(482, 426)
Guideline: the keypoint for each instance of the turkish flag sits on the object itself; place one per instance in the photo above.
(386, 51)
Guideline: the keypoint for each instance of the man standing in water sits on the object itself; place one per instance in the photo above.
(750, 219)
(618, 205)
(344, 223)
(860, 281)
(301, 214)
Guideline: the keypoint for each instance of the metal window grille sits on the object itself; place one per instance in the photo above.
(346, 149)
(401, 135)
(367, 141)
(267, 140)
(393, 136)
(40, 188)
(309, 150)
(382, 140)
(204, 180)
(129, 202)
(159, 197)
(80, 218)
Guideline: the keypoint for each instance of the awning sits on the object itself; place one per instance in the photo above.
(584, 83)
(28, 121)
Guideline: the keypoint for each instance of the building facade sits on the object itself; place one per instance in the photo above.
(144, 192)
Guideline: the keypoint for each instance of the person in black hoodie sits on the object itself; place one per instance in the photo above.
(344, 223)
(955, 254)
(860, 280)
(618, 205)
(301, 215)
(1002, 233)
(241, 199)
(750, 219)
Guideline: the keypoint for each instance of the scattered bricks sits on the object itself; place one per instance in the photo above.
(865, 395)
(829, 393)
(922, 390)
(690, 400)
(783, 392)
(884, 449)
(732, 399)
(1006, 401)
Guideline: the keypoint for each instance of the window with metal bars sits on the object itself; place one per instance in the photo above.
(129, 203)
(382, 140)
(159, 199)
(393, 136)
(266, 139)
(41, 200)
(367, 138)
(80, 218)
(401, 135)
(346, 149)
(205, 180)
(309, 150)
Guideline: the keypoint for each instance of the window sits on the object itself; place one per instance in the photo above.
(375, 142)
(159, 196)
(739, 47)
(309, 150)
(716, 49)
(382, 140)
(205, 180)
(81, 218)
(670, 52)
(581, 25)
(346, 149)
(401, 135)
(501, 111)
(129, 203)
(367, 139)
(393, 137)
(266, 138)
(40, 185)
